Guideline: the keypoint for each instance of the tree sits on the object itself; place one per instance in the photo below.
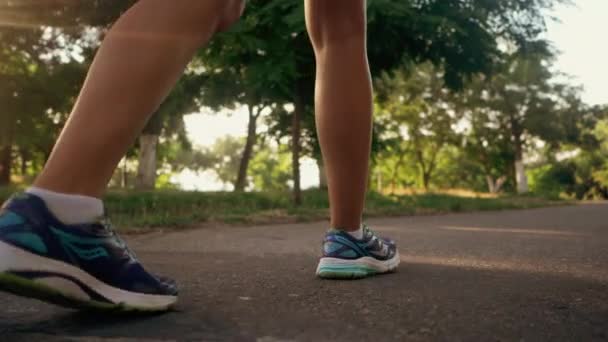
(167, 121)
(70, 16)
(249, 65)
(515, 108)
(32, 109)
(460, 37)
(589, 166)
(419, 109)
(225, 154)
(490, 147)
(41, 44)
(19, 68)
(601, 132)
(270, 44)
(487, 139)
(270, 169)
(531, 106)
(457, 35)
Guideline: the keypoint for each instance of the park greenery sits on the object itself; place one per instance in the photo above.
(466, 97)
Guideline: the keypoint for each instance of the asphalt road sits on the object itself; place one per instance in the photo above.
(535, 275)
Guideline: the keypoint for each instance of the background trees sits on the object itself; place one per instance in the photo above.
(466, 97)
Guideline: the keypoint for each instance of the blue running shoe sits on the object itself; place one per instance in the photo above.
(81, 266)
(345, 257)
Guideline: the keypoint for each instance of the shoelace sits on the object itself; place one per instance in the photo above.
(368, 229)
(383, 244)
(109, 228)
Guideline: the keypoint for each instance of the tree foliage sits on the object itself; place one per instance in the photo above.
(465, 92)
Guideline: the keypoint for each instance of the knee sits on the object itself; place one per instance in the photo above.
(232, 11)
(336, 22)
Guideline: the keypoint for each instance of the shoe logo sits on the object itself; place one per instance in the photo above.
(80, 246)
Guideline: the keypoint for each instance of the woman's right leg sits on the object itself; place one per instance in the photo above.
(51, 247)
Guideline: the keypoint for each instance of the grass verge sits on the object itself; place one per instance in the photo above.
(144, 211)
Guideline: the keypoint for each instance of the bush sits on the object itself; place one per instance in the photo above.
(137, 211)
(553, 180)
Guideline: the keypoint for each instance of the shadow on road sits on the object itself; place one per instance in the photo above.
(421, 301)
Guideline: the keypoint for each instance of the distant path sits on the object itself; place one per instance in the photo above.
(530, 275)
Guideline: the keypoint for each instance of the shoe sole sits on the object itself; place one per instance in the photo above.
(68, 286)
(334, 268)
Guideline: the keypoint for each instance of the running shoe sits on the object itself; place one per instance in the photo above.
(77, 266)
(345, 257)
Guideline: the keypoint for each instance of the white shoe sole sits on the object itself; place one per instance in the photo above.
(334, 268)
(64, 290)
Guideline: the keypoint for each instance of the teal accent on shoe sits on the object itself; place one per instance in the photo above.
(350, 244)
(29, 240)
(89, 254)
(331, 247)
(68, 242)
(78, 239)
(10, 219)
(345, 272)
(349, 254)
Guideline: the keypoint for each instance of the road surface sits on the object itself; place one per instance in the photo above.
(534, 275)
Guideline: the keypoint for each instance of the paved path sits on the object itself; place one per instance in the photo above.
(516, 275)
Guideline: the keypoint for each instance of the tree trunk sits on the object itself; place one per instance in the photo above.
(521, 178)
(499, 183)
(395, 173)
(148, 141)
(491, 184)
(146, 170)
(241, 180)
(379, 184)
(296, 149)
(494, 186)
(25, 156)
(8, 123)
(520, 172)
(426, 171)
(124, 174)
(322, 175)
(5, 165)
(426, 180)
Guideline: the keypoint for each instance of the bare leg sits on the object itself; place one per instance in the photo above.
(344, 120)
(137, 65)
(343, 103)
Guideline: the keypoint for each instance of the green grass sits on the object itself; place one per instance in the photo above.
(144, 211)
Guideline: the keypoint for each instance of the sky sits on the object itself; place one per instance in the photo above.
(578, 34)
